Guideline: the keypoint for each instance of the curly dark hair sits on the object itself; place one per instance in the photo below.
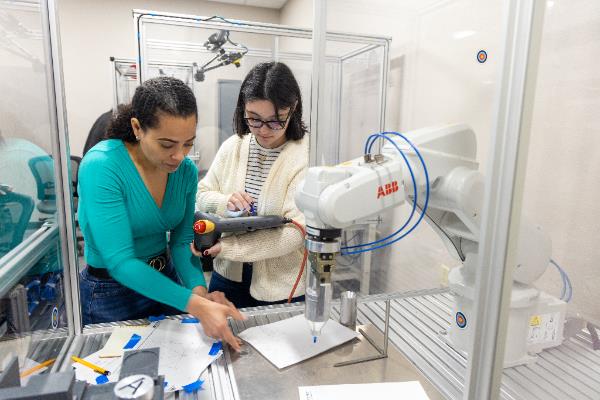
(275, 82)
(157, 95)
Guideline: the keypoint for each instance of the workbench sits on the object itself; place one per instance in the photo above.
(418, 351)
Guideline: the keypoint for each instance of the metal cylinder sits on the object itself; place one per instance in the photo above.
(348, 309)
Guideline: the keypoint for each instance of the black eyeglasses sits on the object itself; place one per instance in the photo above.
(273, 125)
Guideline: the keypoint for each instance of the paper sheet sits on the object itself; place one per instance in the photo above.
(288, 341)
(184, 354)
(120, 336)
(380, 391)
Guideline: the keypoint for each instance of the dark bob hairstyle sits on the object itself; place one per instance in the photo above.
(272, 81)
(157, 95)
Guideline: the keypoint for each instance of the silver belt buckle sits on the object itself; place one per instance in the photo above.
(158, 263)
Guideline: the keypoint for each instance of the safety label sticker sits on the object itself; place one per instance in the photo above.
(543, 328)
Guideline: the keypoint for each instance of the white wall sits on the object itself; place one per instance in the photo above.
(435, 78)
(92, 31)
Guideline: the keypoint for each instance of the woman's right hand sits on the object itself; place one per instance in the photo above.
(213, 317)
(239, 201)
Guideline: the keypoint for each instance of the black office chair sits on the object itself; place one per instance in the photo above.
(42, 168)
(75, 163)
(15, 212)
(98, 131)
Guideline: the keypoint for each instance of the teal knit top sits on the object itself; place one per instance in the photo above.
(123, 226)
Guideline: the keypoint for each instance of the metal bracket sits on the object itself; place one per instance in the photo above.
(382, 353)
(593, 329)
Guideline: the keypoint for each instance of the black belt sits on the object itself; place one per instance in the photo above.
(158, 262)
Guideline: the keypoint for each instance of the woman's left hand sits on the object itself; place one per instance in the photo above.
(216, 296)
(212, 252)
(219, 297)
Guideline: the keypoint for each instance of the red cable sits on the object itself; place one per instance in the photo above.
(303, 262)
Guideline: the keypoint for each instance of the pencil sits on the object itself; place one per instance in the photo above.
(110, 355)
(88, 364)
(37, 367)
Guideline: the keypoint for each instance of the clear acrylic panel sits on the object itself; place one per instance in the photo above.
(464, 62)
(125, 78)
(354, 68)
(191, 44)
(32, 296)
(445, 66)
(125, 81)
(434, 78)
(561, 198)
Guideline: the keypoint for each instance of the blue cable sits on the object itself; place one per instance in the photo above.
(570, 288)
(414, 189)
(562, 277)
(567, 289)
(426, 195)
(370, 143)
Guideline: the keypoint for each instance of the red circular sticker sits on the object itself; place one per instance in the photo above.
(481, 56)
(461, 320)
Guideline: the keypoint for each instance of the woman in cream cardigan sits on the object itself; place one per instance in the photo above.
(258, 170)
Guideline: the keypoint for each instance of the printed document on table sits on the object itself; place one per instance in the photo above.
(288, 342)
(185, 352)
(380, 391)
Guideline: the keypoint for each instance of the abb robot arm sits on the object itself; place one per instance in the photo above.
(434, 170)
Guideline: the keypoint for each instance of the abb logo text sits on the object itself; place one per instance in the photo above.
(386, 189)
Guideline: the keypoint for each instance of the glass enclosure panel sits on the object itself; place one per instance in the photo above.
(125, 81)
(362, 75)
(354, 72)
(32, 298)
(434, 79)
(125, 77)
(190, 45)
(445, 68)
(194, 44)
(560, 196)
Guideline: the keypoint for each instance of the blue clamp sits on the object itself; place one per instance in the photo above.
(135, 338)
(215, 348)
(192, 387)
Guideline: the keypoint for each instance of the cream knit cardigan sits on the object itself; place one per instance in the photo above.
(276, 253)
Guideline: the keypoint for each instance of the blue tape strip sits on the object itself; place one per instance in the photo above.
(192, 387)
(135, 338)
(190, 321)
(153, 318)
(165, 383)
(101, 379)
(215, 348)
